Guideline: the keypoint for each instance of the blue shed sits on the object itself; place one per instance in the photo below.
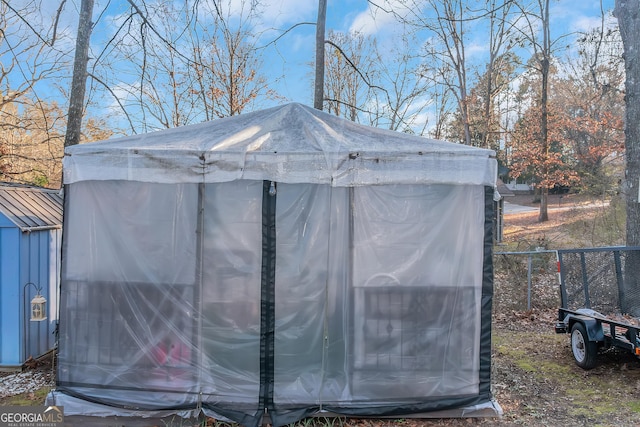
(30, 242)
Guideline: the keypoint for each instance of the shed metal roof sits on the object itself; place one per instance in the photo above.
(31, 208)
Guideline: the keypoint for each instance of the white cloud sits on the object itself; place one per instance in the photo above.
(588, 23)
(277, 13)
(585, 23)
(370, 22)
(476, 48)
(579, 16)
(375, 20)
(270, 14)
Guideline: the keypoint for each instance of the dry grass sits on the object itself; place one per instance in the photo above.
(575, 221)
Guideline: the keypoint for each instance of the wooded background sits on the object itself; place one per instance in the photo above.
(551, 103)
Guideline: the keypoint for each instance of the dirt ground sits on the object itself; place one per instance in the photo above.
(575, 221)
(534, 377)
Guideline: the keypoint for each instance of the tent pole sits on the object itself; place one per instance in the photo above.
(351, 285)
(267, 297)
(198, 288)
(325, 325)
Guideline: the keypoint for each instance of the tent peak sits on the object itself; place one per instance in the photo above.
(287, 143)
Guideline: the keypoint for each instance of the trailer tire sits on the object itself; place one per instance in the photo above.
(584, 351)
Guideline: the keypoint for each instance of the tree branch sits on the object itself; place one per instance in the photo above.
(274, 41)
(362, 76)
(97, 79)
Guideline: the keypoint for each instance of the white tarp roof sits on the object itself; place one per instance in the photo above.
(292, 143)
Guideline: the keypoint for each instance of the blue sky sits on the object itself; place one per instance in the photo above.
(287, 62)
(567, 16)
(294, 51)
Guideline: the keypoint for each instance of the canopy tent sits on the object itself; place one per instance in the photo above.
(286, 262)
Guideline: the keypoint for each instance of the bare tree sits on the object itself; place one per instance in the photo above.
(544, 60)
(629, 21)
(184, 63)
(30, 128)
(28, 50)
(150, 50)
(318, 93)
(33, 136)
(233, 66)
(389, 89)
(449, 25)
(499, 67)
(403, 104)
(443, 95)
(485, 113)
(537, 35)
(349, 71)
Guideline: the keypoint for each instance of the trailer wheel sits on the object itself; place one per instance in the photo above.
(584, 351)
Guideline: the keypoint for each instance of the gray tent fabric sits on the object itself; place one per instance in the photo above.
(291, 144)
(285, 262)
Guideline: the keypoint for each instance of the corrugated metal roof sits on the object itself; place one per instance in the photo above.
(31, 208)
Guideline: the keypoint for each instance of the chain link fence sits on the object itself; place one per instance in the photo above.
(606, 280)
(525, 281)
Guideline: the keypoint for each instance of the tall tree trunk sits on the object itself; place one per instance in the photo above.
(498, 33)
(318, 95)
(464, 109)
(628, 14)
(488, 103)
(546, 54)
(79, 80)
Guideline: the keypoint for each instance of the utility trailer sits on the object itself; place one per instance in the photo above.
(599, 289)
(592, 331)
